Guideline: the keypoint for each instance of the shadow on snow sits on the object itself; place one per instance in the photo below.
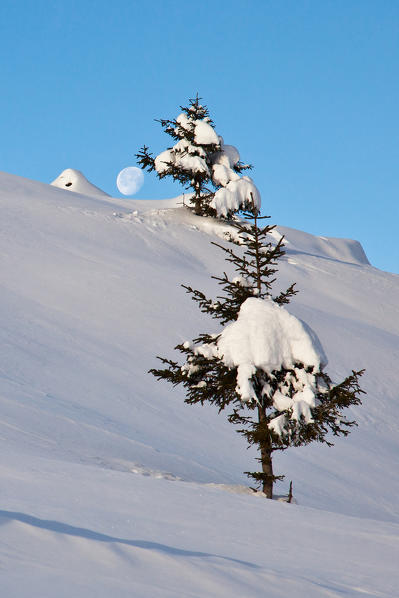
(80, 532)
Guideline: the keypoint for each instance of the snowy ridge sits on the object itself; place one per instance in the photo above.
(345, 250)
(90, 294)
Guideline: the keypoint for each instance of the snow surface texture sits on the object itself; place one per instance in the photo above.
(74, 180)
(90, 294)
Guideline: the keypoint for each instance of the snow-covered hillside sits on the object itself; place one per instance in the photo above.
(109, 483)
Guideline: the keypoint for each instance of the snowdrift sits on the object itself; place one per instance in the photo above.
(110, 484)
(74, 180)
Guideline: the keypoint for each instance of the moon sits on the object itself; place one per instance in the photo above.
(130, 180)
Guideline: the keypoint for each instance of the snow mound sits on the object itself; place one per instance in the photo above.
(74, 180)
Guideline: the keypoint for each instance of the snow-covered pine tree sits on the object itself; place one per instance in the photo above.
(263, 365)
(202, 163)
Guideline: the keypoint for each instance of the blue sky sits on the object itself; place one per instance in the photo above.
(307, 90)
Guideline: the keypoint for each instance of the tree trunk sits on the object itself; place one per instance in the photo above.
(197, 209)
(196, 200)
(266, 457)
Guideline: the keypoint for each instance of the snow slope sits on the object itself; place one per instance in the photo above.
(110, 484)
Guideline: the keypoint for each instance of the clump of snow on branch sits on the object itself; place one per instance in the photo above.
(266, 337)
(204, 134)
(194, 163)
(222, 175)
(238, 194)
(235, 192)
(163, 160)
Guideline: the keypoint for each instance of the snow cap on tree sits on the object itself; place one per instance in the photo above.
(203, 163)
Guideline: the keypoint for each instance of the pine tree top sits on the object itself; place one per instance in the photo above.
(202, 163)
